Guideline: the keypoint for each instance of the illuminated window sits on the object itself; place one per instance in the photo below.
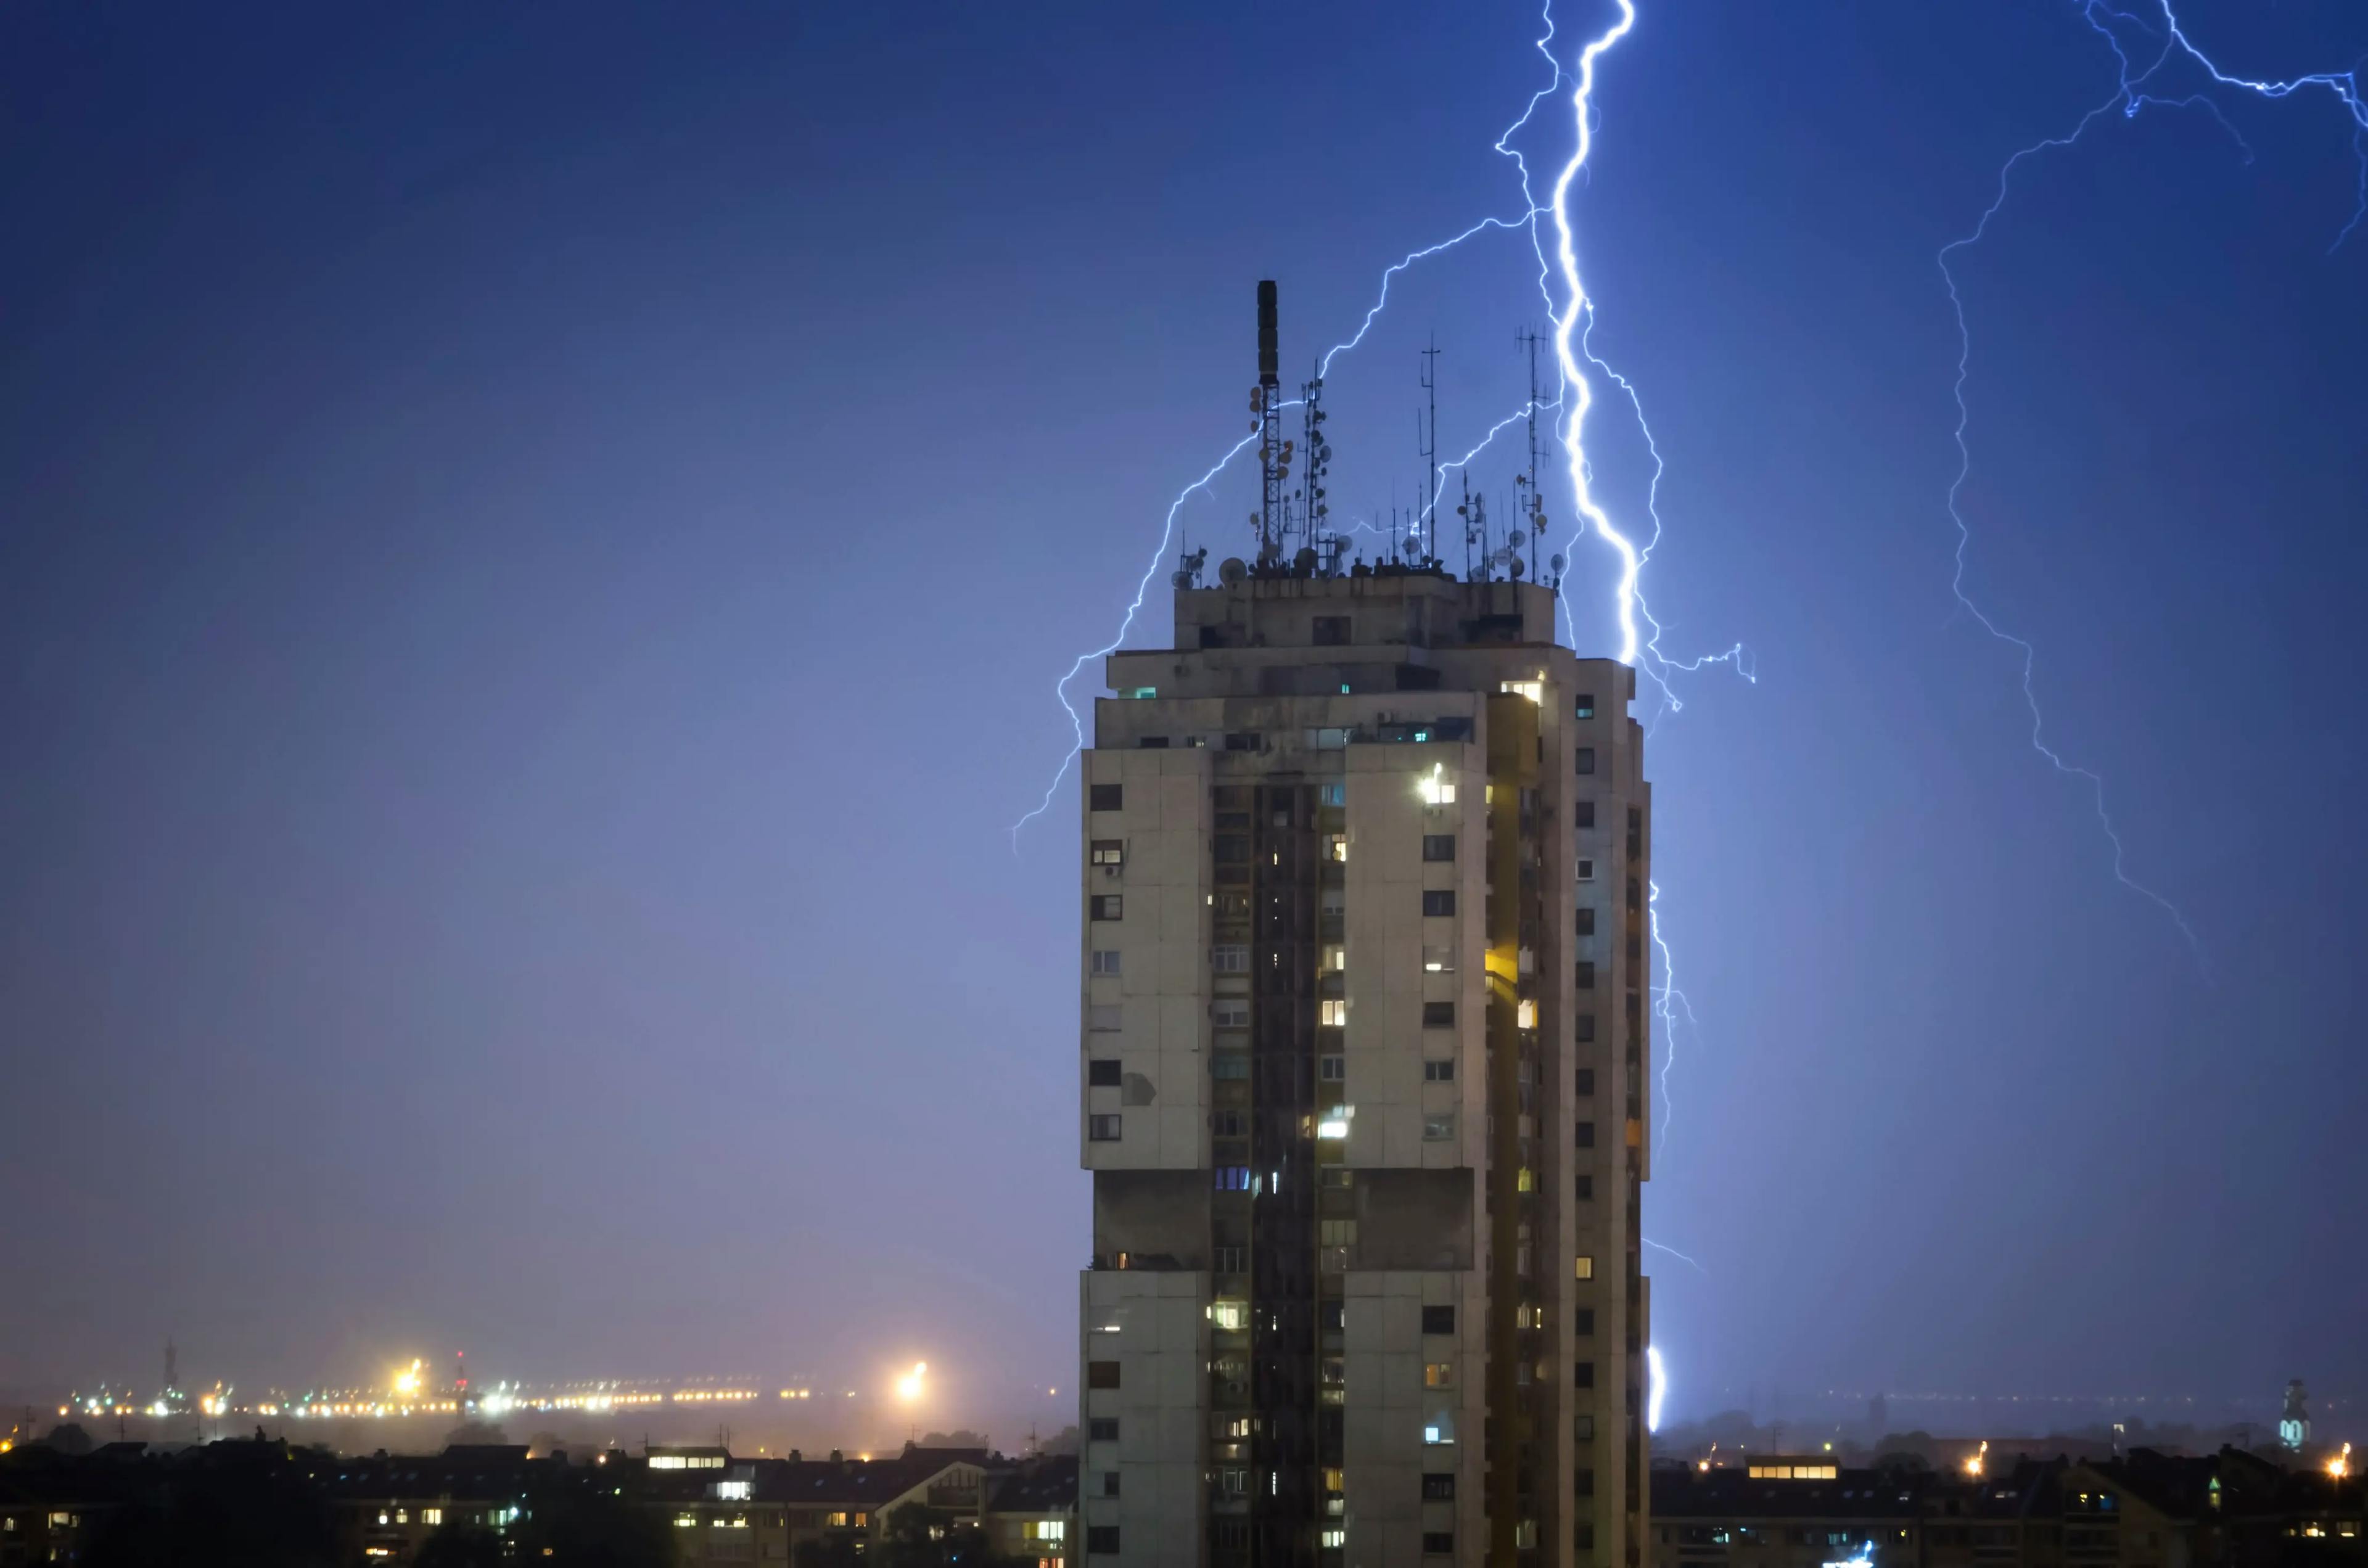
(1107, 797)
(1335, 1537)
(1526, 1180)
(1232, 1178)
(1439, 1430)
(1534, 690)
(1104, 960)
(1583, 705)
(1525, 1014)
(1439, 959)
(1334, 1126)
(1335, 960)
(1439, 902)
(1437, 790)
(686, 1521)
(1144, 693)
(1583, 1267)
(1334, 794)
(1438, 846)
(1232, 1316)
(1335, 846)
(1438, 1374)
(1102, 1128)
(1333, 1013)
(1110, 852)
(431, 1515)
(1108, 907)
(836, 1520)
(1439, 1129)
(1047, 1529)
(1438, 1072)
(732, 1491)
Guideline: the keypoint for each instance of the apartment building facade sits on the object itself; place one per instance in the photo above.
(1365, 1030)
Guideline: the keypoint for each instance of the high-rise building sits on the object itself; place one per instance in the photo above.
(1364, 1092)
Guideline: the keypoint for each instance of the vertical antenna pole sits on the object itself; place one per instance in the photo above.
(1537, 503)
(1431, 448)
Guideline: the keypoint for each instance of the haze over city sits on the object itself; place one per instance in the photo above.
(536, 549)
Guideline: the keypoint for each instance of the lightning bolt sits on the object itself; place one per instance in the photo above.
(2130, 95)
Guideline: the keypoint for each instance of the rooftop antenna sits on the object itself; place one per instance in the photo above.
(1430, 446)
(1274, 453)
(1533, 500)
(171, 1368)
(1313, 509)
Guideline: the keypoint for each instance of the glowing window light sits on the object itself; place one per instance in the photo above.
(1435, 787)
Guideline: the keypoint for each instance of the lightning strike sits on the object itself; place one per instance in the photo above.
(1658, 1386)
(2130, 97)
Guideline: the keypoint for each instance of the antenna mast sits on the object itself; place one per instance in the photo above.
(1431, 448)
(1274, 453)
(1534, 502)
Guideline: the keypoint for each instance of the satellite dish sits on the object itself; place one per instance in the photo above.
(1181, 579)
(1517, 568)
(1516, 539)
(1231, 571)
(1305, 560)
(1501, 556)
(1555, 562)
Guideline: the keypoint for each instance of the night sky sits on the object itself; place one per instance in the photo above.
(535, 545)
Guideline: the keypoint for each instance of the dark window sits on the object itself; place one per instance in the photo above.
(1586, 1131)
(1109, 1483)
(1438, 1015)
(1586, 1030)
(1440, 1488)
(1438, 1320)
(1587, 921)
(1107, 797)
(1102, 1429)
(1101, 1129)
(1438, 846)
(1231, 849)
(1332, 1315)
(1108, 907)
(1110, 851)
(1585, 1082)
(1438, 902)
(1586, 974)
(1438, 1072)
(1101, 1072)
(1582, 1374)
(1583, 1484)
(1587, 813)
(1331, 630)
(1103, 1538)
(1438, 1543)
(1585, 707)
(1230, 1124)
(1586, 762)
(1244, 740)
(1635, 895)
(1587, 1189)
(1101, 1374)
(1583, 1538)
(1586, 1322)
(1152, 742)
(1232, 1178)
